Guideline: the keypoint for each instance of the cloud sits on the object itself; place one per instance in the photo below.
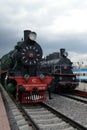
(58, 23)
(78, 58)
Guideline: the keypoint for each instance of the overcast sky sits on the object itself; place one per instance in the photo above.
(58, 24)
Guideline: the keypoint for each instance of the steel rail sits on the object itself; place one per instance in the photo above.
(28, 118)
(75, 98)
(65, 118)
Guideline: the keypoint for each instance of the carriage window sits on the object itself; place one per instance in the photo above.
(85, 74)
(81, 74)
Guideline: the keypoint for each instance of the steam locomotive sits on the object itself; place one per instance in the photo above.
(20, 71)
(59, 66)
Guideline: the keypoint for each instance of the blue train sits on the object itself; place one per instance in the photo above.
(81, 74)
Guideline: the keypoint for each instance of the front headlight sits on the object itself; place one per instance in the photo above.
(41, 76)
(60, 78)
(26, 76)
(65, 54)
(73, 78)
(32, 36)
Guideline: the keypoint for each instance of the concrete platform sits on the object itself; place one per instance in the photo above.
(82, 87)
(4, 123)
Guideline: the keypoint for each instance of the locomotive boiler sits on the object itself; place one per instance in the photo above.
(59, 66)
(20, 73)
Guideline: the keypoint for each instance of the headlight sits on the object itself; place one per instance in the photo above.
(65, 54)
(73, 78)
(41, 76)
(60, 78)
(26, 76)
(32, 36)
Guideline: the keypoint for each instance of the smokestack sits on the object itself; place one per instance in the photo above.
(26, 35)
(62, 50)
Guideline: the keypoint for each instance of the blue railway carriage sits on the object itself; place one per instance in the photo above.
(81, 74)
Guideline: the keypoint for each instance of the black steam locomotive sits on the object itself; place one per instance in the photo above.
(59, 66)
(20, 72)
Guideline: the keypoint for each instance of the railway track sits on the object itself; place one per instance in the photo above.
(16, 118)
(39, 117)
(76, 97)
(79, 92)
(47, 118)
